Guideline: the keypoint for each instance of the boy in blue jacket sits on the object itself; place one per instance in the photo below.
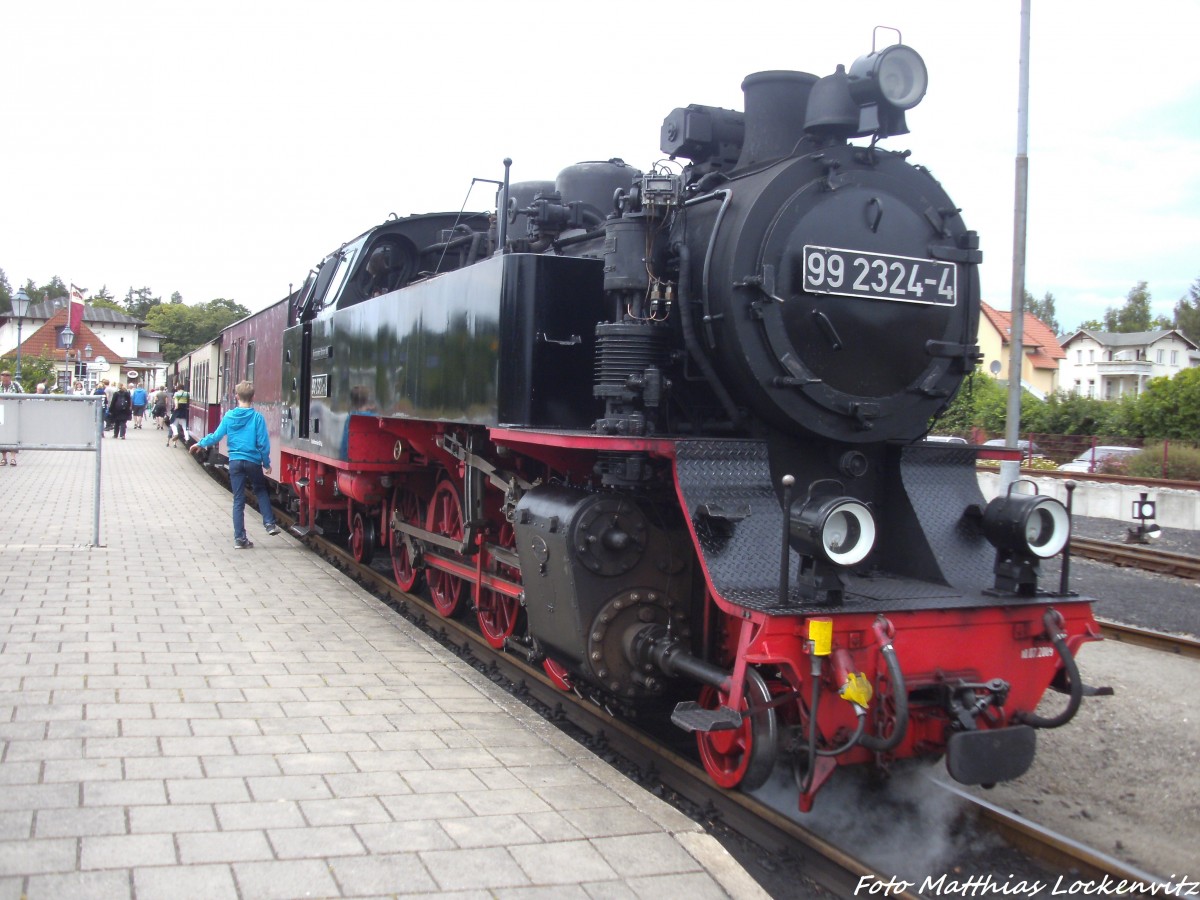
(249, 451)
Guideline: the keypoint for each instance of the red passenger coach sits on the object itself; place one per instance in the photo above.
(251, 350)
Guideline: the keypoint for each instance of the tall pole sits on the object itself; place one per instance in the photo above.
(1011, 471)
(20, 306)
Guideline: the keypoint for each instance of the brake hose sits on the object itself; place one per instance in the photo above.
(1052, 620)
(900, 692)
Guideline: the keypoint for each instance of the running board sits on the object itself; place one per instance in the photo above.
(691, 716)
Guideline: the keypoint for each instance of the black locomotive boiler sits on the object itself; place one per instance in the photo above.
(660, 432)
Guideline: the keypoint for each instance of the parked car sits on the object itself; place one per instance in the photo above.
(1028, 448)
(944, 439)
(1094, 459)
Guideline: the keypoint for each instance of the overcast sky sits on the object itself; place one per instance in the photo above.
(220, 149)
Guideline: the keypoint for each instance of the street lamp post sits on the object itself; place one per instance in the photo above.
(20, 308)
(68, 341)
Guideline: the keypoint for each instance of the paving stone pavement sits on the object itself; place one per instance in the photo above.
(182, 720)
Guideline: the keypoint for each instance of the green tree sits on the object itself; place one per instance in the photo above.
(982, 402)
(106, 303)
(1043, 309)
(1135, 315)
(1170, 407)
(187, 327)
(138, 303)
(34, 369)
(1187, 312)
(49, 291)
(5, 293)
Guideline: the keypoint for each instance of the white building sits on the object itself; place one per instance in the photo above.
(124, 343)
(1108, 366)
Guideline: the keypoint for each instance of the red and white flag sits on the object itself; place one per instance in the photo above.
(75, 313)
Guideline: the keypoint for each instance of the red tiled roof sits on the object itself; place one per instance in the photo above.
(45, 340)
(1036, 334)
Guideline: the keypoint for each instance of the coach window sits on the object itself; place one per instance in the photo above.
(250, 362)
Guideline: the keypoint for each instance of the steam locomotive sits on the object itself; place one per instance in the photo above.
(659, 432)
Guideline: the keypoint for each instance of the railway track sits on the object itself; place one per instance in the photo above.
(1058, 853)
(1138, 557)
(1180, 645)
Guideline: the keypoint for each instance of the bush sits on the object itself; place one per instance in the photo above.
(1170, 407)
(1183, 463)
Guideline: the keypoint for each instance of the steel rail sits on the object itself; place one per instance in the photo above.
(1051, 848)
(1179, 644)
(1136, 556)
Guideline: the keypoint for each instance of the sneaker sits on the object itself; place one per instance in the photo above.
(272, 528)
(242, 543)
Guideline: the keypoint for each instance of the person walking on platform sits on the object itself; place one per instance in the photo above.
(159, 410)
(249, 450)
(179, 418)
(139, 406)
(8, 386)
(120, 408)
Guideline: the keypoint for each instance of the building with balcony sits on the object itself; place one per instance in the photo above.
(1111, 365)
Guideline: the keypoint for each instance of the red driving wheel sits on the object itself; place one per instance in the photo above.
(743, 756)
(407, 505)
(498, 613)
(445, 518)
(364, 536)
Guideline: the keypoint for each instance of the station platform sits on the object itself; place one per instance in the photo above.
(179, 719)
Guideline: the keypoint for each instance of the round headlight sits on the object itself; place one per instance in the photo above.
(840, 530)
(1046, 528)
(1028, 524)
(901, 76)
(849, 533)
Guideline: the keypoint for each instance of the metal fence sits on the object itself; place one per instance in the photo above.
(55, 422)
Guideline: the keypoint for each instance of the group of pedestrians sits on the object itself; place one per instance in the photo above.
(243, 429)
(122, 406)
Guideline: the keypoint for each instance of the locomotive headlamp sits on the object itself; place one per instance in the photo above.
(899, 73)
(1029, 524)
(836, 529)
(885, 83)
(1024, 529)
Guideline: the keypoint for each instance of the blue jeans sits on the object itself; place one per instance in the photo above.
(239, 472)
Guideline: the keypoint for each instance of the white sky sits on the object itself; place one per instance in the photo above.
(220, 149)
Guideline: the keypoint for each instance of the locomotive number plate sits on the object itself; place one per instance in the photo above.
(853, 273)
